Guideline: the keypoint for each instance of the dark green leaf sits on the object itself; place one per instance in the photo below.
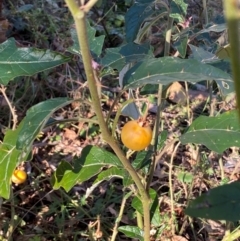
(178, 10)
(91, 162)
(142, 159)
(162, 139)
(154, 210)
(25, 61)
(220, 203)
(132, 232)
(169, 69)
(209, 58)
(135, 17)
(202, 55)
(214, 28)
(117, 58)
(181, 45)
(36, 118)
(216, 133)
(96, 43)
(149, 89)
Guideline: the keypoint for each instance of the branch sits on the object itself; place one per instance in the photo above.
(80, 21)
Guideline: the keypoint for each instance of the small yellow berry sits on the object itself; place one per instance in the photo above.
(19, 176)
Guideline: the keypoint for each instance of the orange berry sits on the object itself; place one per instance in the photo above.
(136, 137)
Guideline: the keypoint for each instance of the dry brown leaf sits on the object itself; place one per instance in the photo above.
(4, 25)
(178, 238)
(69, 134)
(176, 93)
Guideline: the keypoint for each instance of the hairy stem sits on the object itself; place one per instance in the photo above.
(80, 21)
(232, 15)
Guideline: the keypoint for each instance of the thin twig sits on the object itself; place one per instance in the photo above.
(159, 105)
(205, 12)
(187, 99)
(171, 188)
(119, 218)
(12, 109)
(12, 221)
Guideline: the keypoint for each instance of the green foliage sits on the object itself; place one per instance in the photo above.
(25, 61)
(185, 177)
(217, 133)
(178, 9)
(96, 43)
(220, 203)
(36, 119)
(10, 157)
(92, 160)
(138, 67)
(167, 70)
(132, 232)
(154, 210)
(136, 15)
(117, 58)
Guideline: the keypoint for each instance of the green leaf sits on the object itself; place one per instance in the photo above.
(209, 58)
(154, 209)
(142, 159)
(202, 55)
(36, 118)
(149, 89)
(132, 232)
(214, 28)
(25, 61)
(181, 45)
(220, 203)
(91, 162)
(170, 69)
(110, 173)
(96, 43)
(224, 52)
(162, 139)
(185, 177)
(216, 133)
(117, 58)
(10, 157)
(135, 17)
(178, 10)
(127, 180)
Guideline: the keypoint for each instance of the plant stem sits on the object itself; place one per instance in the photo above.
(171, 189)
(119, 218)
(232, 236)
(159, 103)
(12, 109)
(232, 16)
(211, 102)
(12, 222)
(205, 11)
(80, 21)
(168, 37)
